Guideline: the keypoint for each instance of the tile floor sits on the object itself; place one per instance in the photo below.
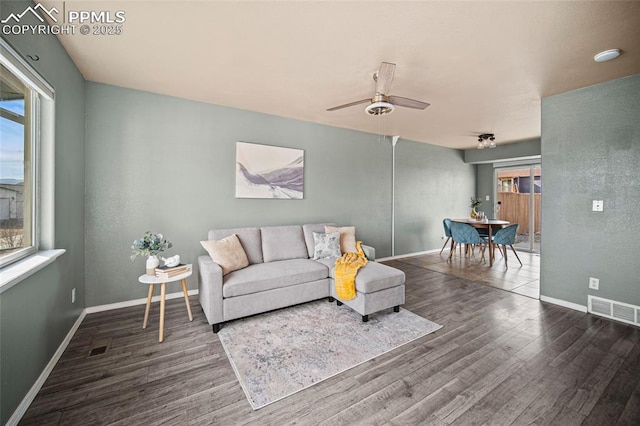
(518, 279)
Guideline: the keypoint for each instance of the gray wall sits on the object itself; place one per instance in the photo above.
(168, 165)
(431, 183)
(36, 314)
(484, 187)
(591, 151)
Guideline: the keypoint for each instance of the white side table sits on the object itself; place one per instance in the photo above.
(152, 280)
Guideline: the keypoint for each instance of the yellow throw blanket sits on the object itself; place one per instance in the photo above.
(346, 269)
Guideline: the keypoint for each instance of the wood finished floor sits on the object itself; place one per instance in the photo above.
(500, 359)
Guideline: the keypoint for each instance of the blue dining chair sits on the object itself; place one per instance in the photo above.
(507, 237)
(446, 224)
(465, 234)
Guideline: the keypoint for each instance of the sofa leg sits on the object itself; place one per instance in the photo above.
(365, 318)
(396, 308)
(339, 303)
(216, 327)
(330, 299)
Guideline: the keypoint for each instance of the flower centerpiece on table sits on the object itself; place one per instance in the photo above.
(150, 245)
(475, 203)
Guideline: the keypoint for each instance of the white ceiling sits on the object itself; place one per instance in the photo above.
(483, 66)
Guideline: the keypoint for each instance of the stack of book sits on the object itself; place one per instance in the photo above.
(172, 271)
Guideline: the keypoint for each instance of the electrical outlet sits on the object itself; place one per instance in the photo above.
(488, 198)
(73, 295)
(598, 205)
(594, 283)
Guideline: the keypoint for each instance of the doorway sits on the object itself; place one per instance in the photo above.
(518, 200)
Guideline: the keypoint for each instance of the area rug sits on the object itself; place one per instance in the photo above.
(279, 353)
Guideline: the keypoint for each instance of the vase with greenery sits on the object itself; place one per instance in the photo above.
(150, 245)
(475, 203)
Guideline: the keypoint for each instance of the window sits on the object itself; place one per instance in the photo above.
(22, 93)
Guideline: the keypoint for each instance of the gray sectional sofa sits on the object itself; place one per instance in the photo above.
(282, 273)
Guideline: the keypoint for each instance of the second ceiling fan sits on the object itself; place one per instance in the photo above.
(382, 102)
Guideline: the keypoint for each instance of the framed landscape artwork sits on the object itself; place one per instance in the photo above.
(264, 171)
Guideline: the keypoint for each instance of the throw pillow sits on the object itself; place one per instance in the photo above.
(326, 245)
(227, 252)
(347, 237)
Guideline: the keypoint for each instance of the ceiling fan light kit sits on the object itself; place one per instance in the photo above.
(486, 140)
(379, 108)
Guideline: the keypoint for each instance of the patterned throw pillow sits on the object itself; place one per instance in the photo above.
(326, 245)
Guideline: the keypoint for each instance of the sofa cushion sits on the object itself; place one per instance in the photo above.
(308, 231)
(227, 252)
(249, 238)
(329, 263)
(347, 237)
(374, 277)
(282, 243)
(327, 245)
(267, 276)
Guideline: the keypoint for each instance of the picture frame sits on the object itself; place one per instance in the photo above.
(266, 171)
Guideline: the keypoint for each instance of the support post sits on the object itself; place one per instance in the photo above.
(394, 142)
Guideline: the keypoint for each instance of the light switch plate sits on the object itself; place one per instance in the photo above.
(598, 205)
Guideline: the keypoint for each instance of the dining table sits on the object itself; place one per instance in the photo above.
(489, 225)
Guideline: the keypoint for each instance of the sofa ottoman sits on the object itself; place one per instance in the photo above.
(378, 287)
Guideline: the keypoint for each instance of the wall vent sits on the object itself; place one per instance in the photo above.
(619, 311)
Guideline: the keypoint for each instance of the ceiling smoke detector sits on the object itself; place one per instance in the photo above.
(607, 55)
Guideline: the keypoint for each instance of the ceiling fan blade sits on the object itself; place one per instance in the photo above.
(362, 101)
(384, 77)
(406, 102)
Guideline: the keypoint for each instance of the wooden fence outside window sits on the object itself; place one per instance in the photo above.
(515, 208)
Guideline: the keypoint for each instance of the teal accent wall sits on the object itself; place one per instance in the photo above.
(591, 151)
(431, 183)
(167, 165)
(36, 314)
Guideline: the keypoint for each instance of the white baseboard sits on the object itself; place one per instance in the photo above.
(401, 256)
(31, 395)
(564, 303)
(143, 301)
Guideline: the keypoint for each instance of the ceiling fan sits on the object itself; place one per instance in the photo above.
(382, 103)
